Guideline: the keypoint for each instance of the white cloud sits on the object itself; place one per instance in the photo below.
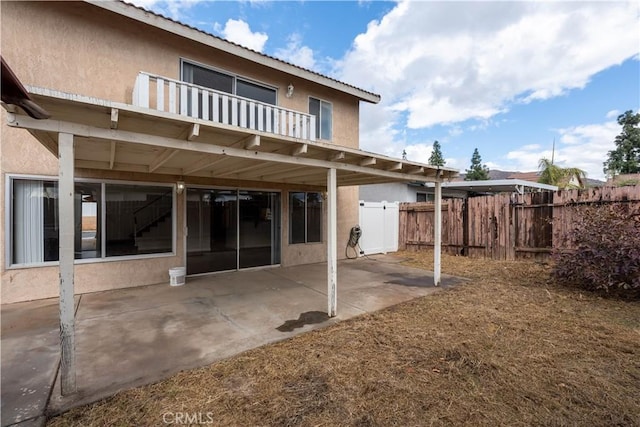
(613, 114)
(584, 147)
(419, 152)
(147, 4)
(238, 31)
(447, 62)
(297, 53)
(455, 131)
(172, 8)
(234, 30)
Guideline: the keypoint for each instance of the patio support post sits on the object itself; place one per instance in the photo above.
(437, 230)
(332, 237)
(67, 229)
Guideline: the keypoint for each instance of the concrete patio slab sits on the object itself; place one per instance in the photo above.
(30, 353)
(130, 337)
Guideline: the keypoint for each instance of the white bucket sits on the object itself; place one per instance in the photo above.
(177, 276)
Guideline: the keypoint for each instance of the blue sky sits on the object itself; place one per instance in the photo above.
(506, 77)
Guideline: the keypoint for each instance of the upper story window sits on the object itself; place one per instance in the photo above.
(255, 91)
(323, 111)
(229, 83)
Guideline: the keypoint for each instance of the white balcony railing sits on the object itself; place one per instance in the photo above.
(174, 96)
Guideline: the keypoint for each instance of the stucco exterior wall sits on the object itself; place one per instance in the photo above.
(79, 48)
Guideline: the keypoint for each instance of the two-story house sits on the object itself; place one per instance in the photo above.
(167, 146)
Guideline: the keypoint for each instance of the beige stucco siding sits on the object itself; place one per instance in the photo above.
(82, 49)
(78, 48)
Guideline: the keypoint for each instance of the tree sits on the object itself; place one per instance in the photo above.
(477, 171)
(436, 158)
(626, 157)
(561, 177)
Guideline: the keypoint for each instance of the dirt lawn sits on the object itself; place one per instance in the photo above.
(508, 348)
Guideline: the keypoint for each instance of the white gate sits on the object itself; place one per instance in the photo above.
(379, 222)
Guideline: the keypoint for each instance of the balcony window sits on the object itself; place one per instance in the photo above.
(323, 111)
(201, 76)
(223, 82)
(254, 91)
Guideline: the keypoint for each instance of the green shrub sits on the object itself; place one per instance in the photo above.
(602, 250)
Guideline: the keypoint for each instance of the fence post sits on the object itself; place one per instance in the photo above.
(437, 231)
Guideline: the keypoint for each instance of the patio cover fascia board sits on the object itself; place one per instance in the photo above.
(103, 120)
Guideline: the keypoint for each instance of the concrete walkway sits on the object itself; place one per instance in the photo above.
(129, 337)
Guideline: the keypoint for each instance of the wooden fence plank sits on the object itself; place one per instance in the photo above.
(505, 226)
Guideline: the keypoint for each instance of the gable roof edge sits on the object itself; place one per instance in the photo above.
(183, 30)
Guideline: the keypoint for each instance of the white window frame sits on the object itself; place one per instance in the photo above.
(319, 118)
(237, 191)
(234, 76)
(306, 221)
(9, 232)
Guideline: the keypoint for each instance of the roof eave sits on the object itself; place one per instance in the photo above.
(182, 30)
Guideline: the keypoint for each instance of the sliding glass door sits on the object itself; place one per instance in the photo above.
(231, 229)
(212, 230)
(259, 228)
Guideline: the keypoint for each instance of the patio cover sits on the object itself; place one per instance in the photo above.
(91, 133)
(121, 137)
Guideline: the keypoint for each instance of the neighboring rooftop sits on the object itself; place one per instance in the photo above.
(496, 174)
(491, 186)
(525, 176)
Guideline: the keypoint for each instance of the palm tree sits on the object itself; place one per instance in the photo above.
(561, 177)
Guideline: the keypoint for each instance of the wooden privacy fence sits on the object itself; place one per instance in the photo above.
(505, 226)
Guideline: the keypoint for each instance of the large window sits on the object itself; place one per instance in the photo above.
(228, 83)
(223, 82)
(305, 217)
(255, 91)
(201, 76)
(324, 122)
(34, 237)
(88, 238)
(138, 220)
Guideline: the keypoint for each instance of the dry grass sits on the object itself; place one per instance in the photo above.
(505, 349)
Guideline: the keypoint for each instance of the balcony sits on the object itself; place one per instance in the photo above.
(174, 96)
